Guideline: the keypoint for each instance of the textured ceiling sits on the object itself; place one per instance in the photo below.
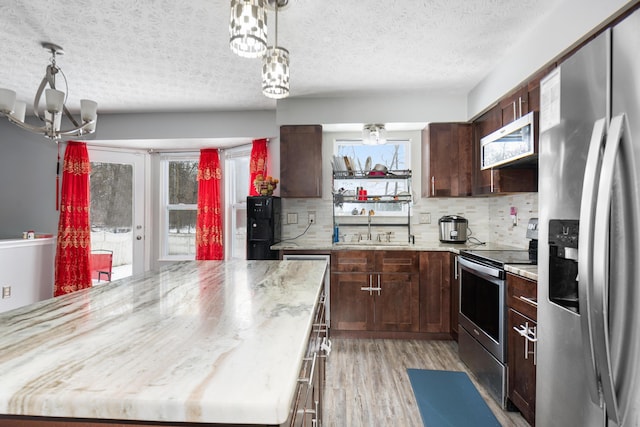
(168, 55)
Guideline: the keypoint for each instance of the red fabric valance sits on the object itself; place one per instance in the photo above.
(74, 232)
(258, 163)
(209, 237)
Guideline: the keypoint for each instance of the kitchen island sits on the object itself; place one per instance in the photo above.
(195, 342)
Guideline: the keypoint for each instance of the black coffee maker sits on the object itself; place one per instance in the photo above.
(532, 234)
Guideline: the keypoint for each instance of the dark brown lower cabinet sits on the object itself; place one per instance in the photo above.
(521, 344)
(522, 368)
(435, 292)
(374, 302)
(374, 291)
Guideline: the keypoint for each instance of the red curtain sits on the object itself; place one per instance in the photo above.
(74, 233)
(209, 243)
(258, 164)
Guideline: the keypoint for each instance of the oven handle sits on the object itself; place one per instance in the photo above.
(479, 268)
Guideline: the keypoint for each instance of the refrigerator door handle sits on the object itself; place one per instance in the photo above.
(599, 309)
(585, 253)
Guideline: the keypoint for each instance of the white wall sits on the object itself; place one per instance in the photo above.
(572, 22)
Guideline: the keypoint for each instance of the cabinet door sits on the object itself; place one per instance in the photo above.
(522, 369)
(447, 150)
(301, 161)
(351, 306)
(515, 106)
(435, 287)
(397, 305)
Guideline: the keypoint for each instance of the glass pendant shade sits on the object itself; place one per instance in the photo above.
(54, 99)
(275, 73)
(374, 134)
(19, 111)
(7, 100)
(248, 28)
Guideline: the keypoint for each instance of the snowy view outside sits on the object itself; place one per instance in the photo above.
(111, 212)
(392, 155)
(182, 205)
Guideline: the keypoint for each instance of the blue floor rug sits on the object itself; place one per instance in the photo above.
(449, 399)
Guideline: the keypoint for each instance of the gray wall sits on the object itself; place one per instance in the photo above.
(28, 161)
(27, 182)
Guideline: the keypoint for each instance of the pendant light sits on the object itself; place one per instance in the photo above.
(275, 65)
(248, 28)
(374, 134)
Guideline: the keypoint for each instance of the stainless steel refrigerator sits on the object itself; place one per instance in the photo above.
(588, 360)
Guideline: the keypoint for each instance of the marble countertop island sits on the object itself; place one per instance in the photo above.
(200, 341)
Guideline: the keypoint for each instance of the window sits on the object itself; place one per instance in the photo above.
(237, 169)
(394, 155)
(180, 205)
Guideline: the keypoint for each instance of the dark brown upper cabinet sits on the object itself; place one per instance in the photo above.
(447, 155)
(301, 161)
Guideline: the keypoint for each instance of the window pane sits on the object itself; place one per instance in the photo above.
(241, 177)
(182, 232)
(183, 183)
(111, 196)
(393, 155)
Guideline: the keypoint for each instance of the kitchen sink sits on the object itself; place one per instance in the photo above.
(372, 243)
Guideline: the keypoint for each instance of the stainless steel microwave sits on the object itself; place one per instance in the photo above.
(514, 142)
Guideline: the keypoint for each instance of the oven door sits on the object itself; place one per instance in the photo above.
(482, 305)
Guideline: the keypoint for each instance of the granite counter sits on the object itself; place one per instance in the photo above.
(327, 246)
(200, 342)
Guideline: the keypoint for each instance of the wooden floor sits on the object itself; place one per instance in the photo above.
(368, 385)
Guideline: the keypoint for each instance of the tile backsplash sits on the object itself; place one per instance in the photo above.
(489, 219)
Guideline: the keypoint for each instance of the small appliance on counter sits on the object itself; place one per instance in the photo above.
(453, 229)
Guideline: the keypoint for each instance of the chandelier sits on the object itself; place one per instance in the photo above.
(55, 101)
(374, 134)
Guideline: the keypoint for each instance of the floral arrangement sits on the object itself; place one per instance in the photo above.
(265, 186)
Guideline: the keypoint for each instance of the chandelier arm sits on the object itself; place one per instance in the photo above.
(70, 117)
(25, 126)
(78, 131)
(36, 100)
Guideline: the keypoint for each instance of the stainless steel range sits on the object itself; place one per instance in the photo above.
(482, 337)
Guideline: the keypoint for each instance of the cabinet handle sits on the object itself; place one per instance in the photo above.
(309, 380)
(529, 300)
(514, 110)
(492, 187)
(520, 106)
(529, 335)
(433, 185)
(455, 267)
(326, 345)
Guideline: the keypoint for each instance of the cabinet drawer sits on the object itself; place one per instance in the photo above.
(352, 261)
(397, 262)
(522, 295)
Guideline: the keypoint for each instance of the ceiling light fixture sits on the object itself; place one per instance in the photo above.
(275, 64)
(55, 105)
(374, 134)
(248, 28)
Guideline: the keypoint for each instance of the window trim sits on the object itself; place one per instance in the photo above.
(165, 207)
